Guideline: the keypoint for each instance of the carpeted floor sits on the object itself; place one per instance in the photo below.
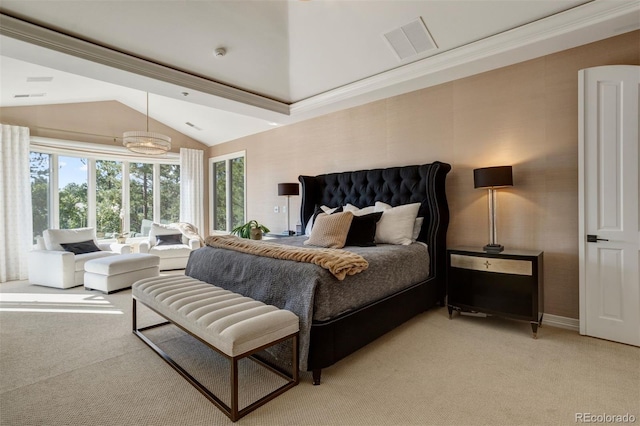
(68, 357)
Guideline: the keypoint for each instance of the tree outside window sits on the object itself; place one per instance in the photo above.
(141, 197)
(72, 192)
(108, 198)
(169, 193)
(40, 165)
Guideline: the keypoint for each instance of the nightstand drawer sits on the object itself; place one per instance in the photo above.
(489, 264)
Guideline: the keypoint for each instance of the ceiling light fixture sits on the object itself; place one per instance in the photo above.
(146, 142)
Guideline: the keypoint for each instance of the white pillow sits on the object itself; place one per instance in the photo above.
(396, 224)
(54, 237)
(328, 210)
(359, 212)
(417, 226)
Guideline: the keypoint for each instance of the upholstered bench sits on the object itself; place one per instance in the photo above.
(232, 325)
(109, 274)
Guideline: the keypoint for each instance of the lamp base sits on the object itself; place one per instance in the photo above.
(493, 248)
(289, 232)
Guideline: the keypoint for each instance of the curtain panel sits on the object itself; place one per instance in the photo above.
(192, 187)
(16, 225)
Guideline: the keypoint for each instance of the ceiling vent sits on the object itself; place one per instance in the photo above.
(39, 79)
(410, 40)
(193, 125)
(30, 95)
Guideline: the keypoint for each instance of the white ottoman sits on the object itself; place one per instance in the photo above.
(112, 273)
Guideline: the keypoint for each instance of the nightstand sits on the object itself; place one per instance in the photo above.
(507, 284)
(274, 236)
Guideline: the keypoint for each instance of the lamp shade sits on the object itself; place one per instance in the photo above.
(288, 189)
(491, 177)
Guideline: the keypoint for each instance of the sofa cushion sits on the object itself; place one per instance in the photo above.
(54, 237)
(170, 251)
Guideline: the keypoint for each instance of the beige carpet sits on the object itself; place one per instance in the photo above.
(68, 357)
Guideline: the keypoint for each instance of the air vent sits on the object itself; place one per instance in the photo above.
(39, 79)
(193, 125)
(30, 95)
(410, 40)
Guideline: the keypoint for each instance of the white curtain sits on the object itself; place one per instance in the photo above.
(192, 188)
(16, 226)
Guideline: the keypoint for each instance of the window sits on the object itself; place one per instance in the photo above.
(228, 184)
(99, 189)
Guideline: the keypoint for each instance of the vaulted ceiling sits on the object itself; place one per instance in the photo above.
(283, 61)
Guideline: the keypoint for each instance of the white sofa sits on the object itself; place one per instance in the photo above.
(173, 252)
(51, 265)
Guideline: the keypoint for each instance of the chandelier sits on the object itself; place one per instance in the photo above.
(146, 142)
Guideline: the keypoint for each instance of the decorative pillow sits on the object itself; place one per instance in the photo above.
(396, 224)
(321, 209)
(363, 230)
(80, 248)
(330, 230)
(53, 238)
(160, 229)
(359, 212)
(168, 239)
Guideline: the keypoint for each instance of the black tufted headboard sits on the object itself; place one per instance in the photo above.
(394, 186)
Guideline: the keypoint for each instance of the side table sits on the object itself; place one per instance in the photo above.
(507, 284)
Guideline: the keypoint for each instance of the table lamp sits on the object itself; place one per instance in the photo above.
(492, 178)
(288, 189)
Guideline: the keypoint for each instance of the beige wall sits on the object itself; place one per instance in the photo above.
(81, 120)
(525, 115)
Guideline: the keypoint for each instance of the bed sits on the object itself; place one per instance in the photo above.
(339, 317)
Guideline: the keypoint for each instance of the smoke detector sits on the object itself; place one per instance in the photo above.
(219, 52)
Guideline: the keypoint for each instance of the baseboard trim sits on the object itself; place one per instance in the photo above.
(561, 322)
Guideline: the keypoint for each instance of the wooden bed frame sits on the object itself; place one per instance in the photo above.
(334, 339)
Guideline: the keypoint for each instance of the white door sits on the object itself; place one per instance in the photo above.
(608, 203)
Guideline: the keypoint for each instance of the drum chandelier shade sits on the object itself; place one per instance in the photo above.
(146, 142)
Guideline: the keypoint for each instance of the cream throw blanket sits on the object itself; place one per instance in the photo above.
(188, 230)
(339, 262)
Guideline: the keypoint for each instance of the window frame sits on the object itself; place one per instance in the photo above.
(93, 152)
(212, 185)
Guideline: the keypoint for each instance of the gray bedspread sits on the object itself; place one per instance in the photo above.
(308, 290)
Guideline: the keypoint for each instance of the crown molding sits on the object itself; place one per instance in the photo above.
(40, 36)
(553, 32)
